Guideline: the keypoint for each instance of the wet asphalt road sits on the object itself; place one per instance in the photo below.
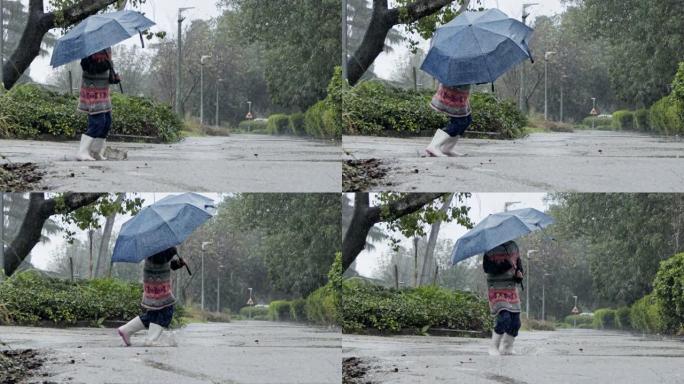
(238, 352)
(564, 356)
(584, 161)
(239, 163)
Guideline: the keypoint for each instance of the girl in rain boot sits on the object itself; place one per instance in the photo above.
(158, 299)
(503, 267)
(455, 103)
(95, 100)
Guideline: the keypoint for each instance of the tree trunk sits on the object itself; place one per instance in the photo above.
(382, 21)
(39, 23)
(103, 250)
(429, 265)
(40, 209)
(365, 217)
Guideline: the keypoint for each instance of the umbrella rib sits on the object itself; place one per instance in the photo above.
(479, 46)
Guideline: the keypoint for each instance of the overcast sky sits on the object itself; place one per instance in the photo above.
(481, 205)
(165, 14)
(43, 252)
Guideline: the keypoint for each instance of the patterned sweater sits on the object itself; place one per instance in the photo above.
(94, 96)
(157, 281)
(453, 101)
(500, 265)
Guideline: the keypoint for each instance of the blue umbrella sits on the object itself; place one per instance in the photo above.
(96, 33)
(160, 226)
(497, 229)
(477, 48)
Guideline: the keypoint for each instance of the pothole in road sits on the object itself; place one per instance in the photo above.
(360, 175)
(20, 177)
(354, 371)
(17, 365)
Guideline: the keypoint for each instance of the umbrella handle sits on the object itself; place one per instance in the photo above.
(142, 41)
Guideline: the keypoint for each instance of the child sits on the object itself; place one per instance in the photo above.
(98, 74)
(504, 270)
(158, 299)
(455, 103)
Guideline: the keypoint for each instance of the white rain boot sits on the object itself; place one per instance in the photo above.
(435, 147)
(84, 149)
(496, 342)
(153, 335)
(97, 149)
(507, 344)
(127, 330)
(448, 147)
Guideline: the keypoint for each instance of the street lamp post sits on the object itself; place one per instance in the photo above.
(574, 321)
(204, 244)
(508, 204)
(250, 301)
(544, 296)
(218, 288)
(546, 83)
(593, 108)
(202, 60)
(525, 14)
(527, 290)
(179, 60)
(344, 38)
(218, 84)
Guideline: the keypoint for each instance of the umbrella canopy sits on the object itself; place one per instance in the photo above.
(162, 225)
(96, 33)
(477, 48)
(497, 229)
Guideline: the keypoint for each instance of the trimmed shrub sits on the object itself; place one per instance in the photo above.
(28, 111)
(296, 124)
(604, 318)
(668, 288)
(313, 120)
(678, 84)
(30, 297)
(366, 306)
(665, 116)
(641, 120)
(255, 313)
(645, 315)
(373, 108)
(579, 320)
(622, 318)
(323, 306)
(623, 120)
(298, 310)
(538, 325)
(279, 310)
(599, 122)
(278, 124)
(253, 126)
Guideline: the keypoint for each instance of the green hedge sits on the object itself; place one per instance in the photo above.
(668, 288)
(278, 124)
(279, 310)
(604, 318)
(255, 313)
(645, 315)
(313, 120)
(28, 298)
(253, 126)
(374, 108)
(623, 120)
(29, 111)
(641, 120)
(599, 122)
(622, 320)
(366, 306)
(579, 320)
(296, 124)
(298, 310)
(665, 116)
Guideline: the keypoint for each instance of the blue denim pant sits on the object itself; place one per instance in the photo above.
(458, 125)
(161, 317)
(508, 322)
(99, 125)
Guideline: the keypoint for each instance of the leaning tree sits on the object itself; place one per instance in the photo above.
(385, 18)
(63, 14)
